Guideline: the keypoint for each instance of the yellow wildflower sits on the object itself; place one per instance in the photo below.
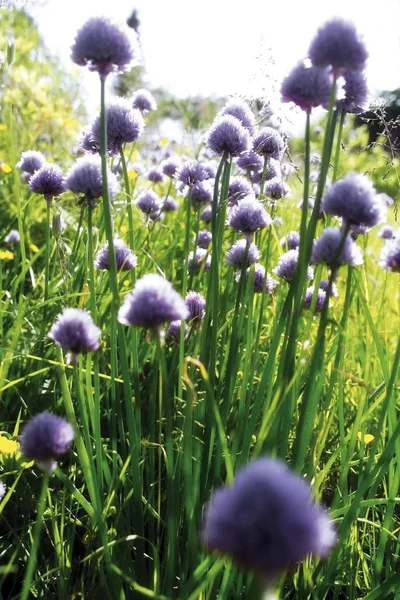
(34, 248)
(7, 446)
(5, 168)
(6, 255)
(368, 437)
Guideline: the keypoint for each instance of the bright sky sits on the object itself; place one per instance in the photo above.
(229, 47)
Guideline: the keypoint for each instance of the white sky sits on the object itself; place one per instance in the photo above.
(224, 47)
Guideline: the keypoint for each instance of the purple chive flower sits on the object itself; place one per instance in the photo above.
(124, 257)
(248, 217)
(287, 264)
(170, 204)
(269, 143)
(337, 44)
(152, 303)
(103, 46)
(149, 202)
(235, 256)
(354, 198)
(49, 181)
(241, 111)
(191, 172)
(157, 215)
(250, 161)
(239, 188)
(320, 300)
(390, 255)
(174, 330)
(206, 214)
(12, 238)
(326, 249)
(124, 125)
(324, 285)
(155, 175)
(291, 241)
(356, 93)
(196, 305)
(266, 519)
(45, 438)
(75, 331)
(204, 239)
(276, 188)
(144, 101)
(201, 193)
(30, 161)
(228, 136)
(386, 233)
(85, 178)
(263, 282)
(198, 259)
(307, 87)
(211, 169)
(170, 166)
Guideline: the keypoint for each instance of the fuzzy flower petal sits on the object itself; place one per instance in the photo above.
(338, 45)
(49, 181)
(266, 519)
(152, 303)
(125, 258)
(227, 135)
(45, 438)
(307, 87)
(86, 178)
(103, 46)
(75, 331)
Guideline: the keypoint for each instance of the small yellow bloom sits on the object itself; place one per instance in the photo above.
(368, 437)
(164, 142)
(34, 248)
(132, 174)
(3, 127)
(5, 168)
(6, 255)
(127, 282)
(7, 446)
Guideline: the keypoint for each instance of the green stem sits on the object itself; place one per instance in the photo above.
(338, 147)
(36, 539)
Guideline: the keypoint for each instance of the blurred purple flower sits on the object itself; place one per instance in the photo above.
(228, 136)
(103, 46)
(291, 241)
(204, 239)
(169, 204)
(31, 161)
(241, 111)
(75, 331)
(85, 178)
(191, 172)
(49, 181)
(201, 193)
(174, 330)
(287, 264)
(149, 202)
(320, 300)
(124, 125)
(387, 232)
(170, 166)
(155, 175)
(390, 255)
(248, 217)
(196, 305)
(307, 87)
(144, 101)
(326, 249)
(354, 198)
(250, 161)
(356, 93)
(206, 214)
(266, 519)
(338, 45)
(239, 188)
(197, 259)
(276, 188)
(152, 303)
(45, 438)
(269, 143)
(235, 256)
(124, 257)
(12, 238)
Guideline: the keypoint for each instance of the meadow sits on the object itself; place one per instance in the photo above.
(284, 340)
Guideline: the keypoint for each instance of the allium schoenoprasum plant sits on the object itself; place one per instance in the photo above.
(199, 345)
